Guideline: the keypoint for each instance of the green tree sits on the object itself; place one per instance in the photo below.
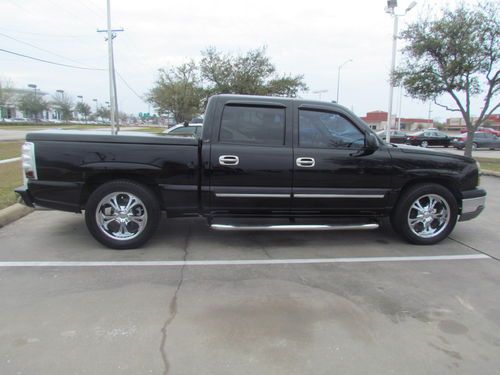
(251, 73)
(5, 95)
(83, 109)
(63, 104)
(32, 105)
(455, 54)
(103, 113)
(178, 90)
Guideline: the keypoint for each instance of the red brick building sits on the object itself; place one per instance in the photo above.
(377, 120)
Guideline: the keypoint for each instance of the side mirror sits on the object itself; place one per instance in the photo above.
(371, 142)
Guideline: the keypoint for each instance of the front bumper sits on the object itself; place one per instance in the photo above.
(473, 203)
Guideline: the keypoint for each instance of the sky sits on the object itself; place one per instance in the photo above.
(311, 38)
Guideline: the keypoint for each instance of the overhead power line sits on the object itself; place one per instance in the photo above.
(48, 62)
(39, 48)
(129, 87)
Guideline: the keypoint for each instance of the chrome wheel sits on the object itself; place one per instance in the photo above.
(429, 215)
(121, 216)
(424, 144)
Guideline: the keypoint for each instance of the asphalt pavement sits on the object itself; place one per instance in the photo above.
(197, 301)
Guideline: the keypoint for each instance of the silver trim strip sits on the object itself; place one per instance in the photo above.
(374, 196)
(472, 204)
(289, 227)
(238, 195)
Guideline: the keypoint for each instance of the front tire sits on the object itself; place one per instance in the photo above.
(122, 214)
(424, 144)
(425, 214)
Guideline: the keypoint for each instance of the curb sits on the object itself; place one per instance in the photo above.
(485, 172)
(13, 213)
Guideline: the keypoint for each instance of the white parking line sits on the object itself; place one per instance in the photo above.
(5, 161)
(177, 263)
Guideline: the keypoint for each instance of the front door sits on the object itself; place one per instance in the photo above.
(333, 171)
(251, 160)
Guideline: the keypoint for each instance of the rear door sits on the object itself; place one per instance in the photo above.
(251, 159)
(332, 172)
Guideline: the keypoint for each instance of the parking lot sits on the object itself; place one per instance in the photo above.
(196, 301)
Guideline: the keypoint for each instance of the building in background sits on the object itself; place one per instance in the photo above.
(458, 123)
(377, 120)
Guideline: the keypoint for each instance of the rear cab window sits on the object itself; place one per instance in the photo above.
(254, 125)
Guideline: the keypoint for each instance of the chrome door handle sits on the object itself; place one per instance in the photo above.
(305, 162)
(229, 160)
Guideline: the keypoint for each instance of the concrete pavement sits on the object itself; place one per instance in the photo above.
(408, 317)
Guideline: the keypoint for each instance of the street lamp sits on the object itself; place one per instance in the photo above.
(391, 9)
(80, 97)
(319, 92)
(338, 76)
(95, 100)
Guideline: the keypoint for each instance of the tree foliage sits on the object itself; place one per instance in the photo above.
(83, 109)
(32, 105)
(178, 90)
(63, 103)
(103, 112)
(183, 90)
(5, 94)
(455, 54)
(251, 73)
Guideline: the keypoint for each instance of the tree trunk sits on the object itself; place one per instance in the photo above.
(468, 143)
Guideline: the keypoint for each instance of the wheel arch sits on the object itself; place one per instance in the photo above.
(98, 179)
(448, 183)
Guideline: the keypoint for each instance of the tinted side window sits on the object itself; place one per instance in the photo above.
(253, 125)
(328, 130)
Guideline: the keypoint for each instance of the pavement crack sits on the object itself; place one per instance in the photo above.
(172, 307)
(474, 249)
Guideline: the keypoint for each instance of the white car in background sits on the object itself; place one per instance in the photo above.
(185, 130)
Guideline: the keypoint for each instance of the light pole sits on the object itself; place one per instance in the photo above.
(391, 9)
(95, 100)
(338, 77)
(33, 86)
(319, 92)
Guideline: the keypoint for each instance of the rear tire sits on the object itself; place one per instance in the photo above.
(424, 144)
(122, 214)
(425, 214)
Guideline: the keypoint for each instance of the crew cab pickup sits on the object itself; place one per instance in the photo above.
(261, 163)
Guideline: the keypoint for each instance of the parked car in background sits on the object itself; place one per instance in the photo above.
(484, 130)
(396, 136)
(481, 140)
(185, 130)
(428, 138)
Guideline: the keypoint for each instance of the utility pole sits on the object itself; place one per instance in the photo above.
(114, 118)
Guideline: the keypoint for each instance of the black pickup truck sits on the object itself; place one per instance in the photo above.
(261, 163)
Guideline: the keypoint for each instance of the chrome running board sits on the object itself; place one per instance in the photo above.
(292, 227)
